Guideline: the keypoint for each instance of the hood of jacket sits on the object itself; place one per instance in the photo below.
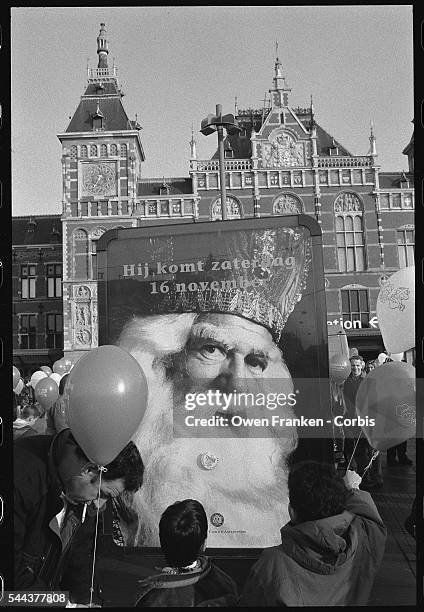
(321, 546)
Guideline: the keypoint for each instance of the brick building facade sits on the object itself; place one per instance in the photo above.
(37, 292)
(281, 162)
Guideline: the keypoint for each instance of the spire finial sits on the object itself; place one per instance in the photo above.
(235, 106)
(193, 153)
(102, 47)
(372, 139)
(276, 50)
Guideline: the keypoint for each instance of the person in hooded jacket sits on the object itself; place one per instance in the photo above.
(330, 550)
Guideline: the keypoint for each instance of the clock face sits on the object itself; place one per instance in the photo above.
(99, 179)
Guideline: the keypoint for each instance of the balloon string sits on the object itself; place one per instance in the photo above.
(354, 449)
(101, 469)
(374, 455)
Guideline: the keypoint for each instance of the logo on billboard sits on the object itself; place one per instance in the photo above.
(217, 519)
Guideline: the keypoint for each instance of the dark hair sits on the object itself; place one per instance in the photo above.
(369, 364)
(358, 357)
(183, 528)
(128, 465)
(62, 383)
(316, 491)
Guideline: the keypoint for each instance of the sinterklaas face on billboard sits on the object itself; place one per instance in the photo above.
(228, 322)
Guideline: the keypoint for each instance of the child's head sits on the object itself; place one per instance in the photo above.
(315, 491)
(183, 529)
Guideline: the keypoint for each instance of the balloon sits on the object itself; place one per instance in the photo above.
(105, 399)
(381, 358)
(396, 311)
(353, 352)
(387, 395)
(36, 377)
(59, 367)
(46, 392)
(56, 378)
(19, 387)
(46, 370)
(68, 362)
(16, 376)
(339, 368)
(396, 356)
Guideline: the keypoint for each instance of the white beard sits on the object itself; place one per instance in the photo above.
(248, 487)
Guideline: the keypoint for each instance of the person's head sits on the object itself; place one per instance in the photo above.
(183, 529)
(316, 491)
(30, 412)
(81, 477)
(370, 366)
(356, 365)
(62, 383)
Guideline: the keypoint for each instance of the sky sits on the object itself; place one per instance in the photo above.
(176, 63)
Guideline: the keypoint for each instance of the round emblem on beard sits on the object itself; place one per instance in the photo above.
(208, 461)
(217, 519)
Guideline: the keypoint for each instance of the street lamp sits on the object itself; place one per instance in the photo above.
(217, 123)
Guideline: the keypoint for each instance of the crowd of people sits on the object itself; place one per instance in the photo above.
(330, 550)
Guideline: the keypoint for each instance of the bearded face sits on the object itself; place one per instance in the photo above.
(245, 486)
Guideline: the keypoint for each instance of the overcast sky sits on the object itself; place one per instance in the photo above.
(176, 63)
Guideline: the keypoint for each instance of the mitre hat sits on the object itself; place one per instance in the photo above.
(257, 274)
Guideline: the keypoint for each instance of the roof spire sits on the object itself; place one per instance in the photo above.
(193, 152)
(102, 47)
(280, 90)
(372, 139)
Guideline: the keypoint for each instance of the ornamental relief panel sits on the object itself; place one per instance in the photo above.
(286, 204)
(281, 151)
(84, 320)
(233, 209)
(347, 202)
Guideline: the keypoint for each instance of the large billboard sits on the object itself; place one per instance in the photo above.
(228, 322)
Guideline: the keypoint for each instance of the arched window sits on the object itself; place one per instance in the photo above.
(84, 151)
(74, 152)
(93, 151)
(103, 150)
(350, 241)
(123, 150)
(113, 149)
(80, 251)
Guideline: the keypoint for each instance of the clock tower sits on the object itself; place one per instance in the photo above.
(102, 156)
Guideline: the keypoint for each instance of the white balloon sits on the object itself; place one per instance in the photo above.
(396, 311)
(396, 356)
(36, 377)
(56, 378)
(19, 387)
(381, 358)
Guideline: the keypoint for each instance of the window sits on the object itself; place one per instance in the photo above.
(94, 259)
(54, 331)
(54, 280)
(355, 307)
(28, 331)
(93, 151)
(74, 152)
(103, 150)
(28, 279)
(406, 247)
(83, 150)
(123, 150)
(113, 149)
(350, 243)
(80, 244)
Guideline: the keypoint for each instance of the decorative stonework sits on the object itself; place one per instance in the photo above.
(83, 323)
(347, 202)
(281, 151)
(233, 209)
(286, 204)
(96, 233)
